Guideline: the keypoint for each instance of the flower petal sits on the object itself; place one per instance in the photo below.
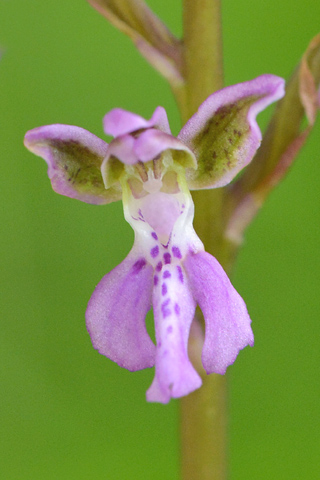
(224, 134)
(74, 157)
(152, 143)
(116, 313)
(226, 318)
(173, 308)
(119, 122)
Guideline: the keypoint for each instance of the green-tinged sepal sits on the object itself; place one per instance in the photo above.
(74, 157)
(223, 134)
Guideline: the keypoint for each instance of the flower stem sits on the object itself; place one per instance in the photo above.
(202, 45)
(204, 431)
(204, 412)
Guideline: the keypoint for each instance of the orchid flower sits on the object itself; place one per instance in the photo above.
(167, 268)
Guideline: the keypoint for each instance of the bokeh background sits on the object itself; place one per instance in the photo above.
(67, 412)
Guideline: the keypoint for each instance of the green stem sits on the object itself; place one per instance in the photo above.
(204, 412)
(202, 51)
(204, 431)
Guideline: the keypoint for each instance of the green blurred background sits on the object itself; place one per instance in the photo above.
(67, 412)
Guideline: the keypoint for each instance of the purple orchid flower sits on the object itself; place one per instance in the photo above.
(167, 267)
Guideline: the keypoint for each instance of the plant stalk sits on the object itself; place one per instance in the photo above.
(204, 412)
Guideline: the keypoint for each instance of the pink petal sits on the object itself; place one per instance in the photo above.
(116, 314)
(227, 321)
(152, 143)
(122, 148)
(173, 307)
(120, 122)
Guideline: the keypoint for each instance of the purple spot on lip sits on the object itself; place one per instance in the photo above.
(154, 235)
(159, 267)
(164, 289)
(167, 258)
(138, 265)
(154, 251)
(166, 312)
(140, 213)
(180, 274)
(177, 309)
(155, 280)
(137, 219)
(166, 274)
(176, 252)
(169, 329)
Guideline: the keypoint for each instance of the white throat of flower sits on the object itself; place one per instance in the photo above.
(160, 210)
